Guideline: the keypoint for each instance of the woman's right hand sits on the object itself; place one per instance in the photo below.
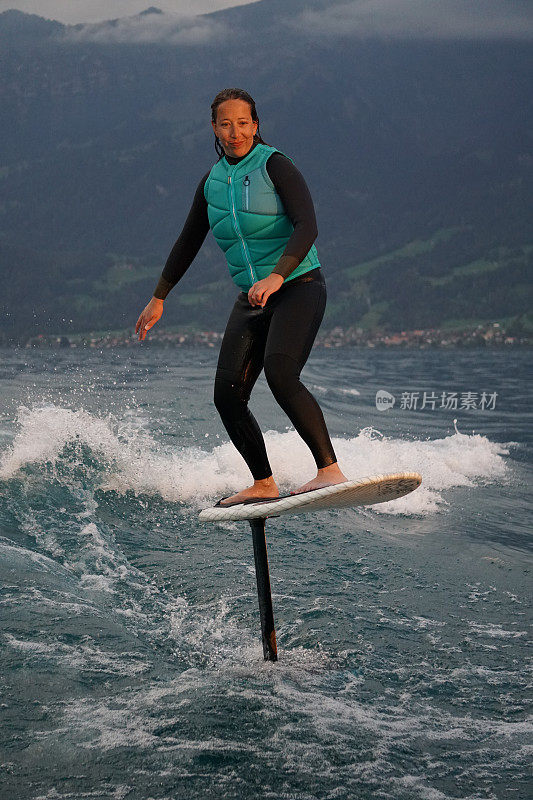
(149, 316)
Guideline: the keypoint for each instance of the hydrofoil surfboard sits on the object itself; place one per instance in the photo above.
(363, 492)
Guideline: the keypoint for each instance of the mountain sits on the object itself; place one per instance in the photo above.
(418, 154)
(21, 30)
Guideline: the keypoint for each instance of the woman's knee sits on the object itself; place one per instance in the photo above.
(282, 374)
(222, 394)
(228, 396)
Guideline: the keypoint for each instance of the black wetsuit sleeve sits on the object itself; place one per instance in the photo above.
(187, 245)
(296, 198)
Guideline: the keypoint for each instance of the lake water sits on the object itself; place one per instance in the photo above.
(131, 659)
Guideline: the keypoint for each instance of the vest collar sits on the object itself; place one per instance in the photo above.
(255, 150)
(254, 145)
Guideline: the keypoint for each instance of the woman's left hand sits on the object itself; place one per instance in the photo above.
(259, 293)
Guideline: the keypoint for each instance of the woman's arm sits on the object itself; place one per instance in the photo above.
(296, 198)
(180, 259)
(187, 245)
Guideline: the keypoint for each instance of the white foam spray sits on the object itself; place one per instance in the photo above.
(131, 459)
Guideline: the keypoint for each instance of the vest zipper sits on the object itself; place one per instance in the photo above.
(246, 193)
(239, 234)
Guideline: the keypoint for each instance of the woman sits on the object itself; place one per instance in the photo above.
(260, 211)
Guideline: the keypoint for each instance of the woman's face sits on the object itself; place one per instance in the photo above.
(235, 127)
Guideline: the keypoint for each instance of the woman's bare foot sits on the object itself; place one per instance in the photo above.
(327, 476)
(266, 487)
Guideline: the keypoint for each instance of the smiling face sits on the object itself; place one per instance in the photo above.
(235, 127)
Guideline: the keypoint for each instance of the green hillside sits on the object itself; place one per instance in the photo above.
(417, 155)
(429, 282)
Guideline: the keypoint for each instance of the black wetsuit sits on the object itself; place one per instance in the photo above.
(277, 337)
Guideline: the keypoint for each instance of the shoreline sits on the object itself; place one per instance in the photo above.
(488, 335)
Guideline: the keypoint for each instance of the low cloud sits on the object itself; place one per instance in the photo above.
(421, 19)
(149, 29)
(74, 11)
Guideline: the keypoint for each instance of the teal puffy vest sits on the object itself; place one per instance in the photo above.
(248, 219)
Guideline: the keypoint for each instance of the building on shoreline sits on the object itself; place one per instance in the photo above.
(487, 335)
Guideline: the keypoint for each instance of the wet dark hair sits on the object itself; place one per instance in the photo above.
(234, 94)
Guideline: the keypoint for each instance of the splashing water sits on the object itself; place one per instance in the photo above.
(130, 656)
(126, 457)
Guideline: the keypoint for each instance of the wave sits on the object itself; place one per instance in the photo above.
(119, 454)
